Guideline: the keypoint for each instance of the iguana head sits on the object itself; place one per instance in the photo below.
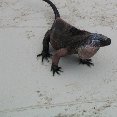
(94, 42)
(98, 40)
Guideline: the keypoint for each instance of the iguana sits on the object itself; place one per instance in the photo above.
(67, 40)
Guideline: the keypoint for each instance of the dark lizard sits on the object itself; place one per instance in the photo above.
(67, 40)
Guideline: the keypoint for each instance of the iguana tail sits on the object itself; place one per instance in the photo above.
(56, 12)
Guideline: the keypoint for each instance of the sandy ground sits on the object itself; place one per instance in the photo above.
(27, 87)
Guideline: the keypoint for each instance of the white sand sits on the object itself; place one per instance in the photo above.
(27, 87)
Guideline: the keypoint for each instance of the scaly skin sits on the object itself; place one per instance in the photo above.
(66, 40)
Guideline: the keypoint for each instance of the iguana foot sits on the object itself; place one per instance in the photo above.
(56, 69)
(45, 55)
(88, 62)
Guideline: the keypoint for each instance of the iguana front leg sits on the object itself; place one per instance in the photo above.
(55, 60)
(45, 52)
